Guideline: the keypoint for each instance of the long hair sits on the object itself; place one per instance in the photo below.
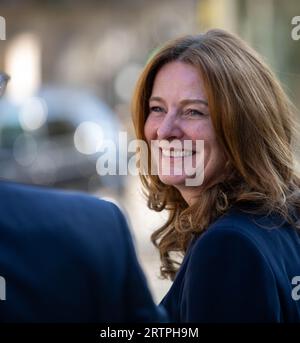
(253, 121)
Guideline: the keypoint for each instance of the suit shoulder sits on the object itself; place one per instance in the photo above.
(228, 252)
(237, 234)
(250, 224)
(229, 278)
(18, 192)
(34, 206)
(227, 235)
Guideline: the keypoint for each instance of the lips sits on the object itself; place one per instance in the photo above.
(175, 148)
(176, 153)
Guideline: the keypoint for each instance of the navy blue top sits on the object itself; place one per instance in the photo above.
(239, 270)
(68, 257)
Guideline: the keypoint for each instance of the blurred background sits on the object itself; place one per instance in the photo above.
(73, 65)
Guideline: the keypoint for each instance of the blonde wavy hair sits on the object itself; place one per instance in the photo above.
(254, 122)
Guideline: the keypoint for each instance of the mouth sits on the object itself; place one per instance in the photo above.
(176, 153)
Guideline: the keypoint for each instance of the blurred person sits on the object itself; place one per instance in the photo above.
(238, 229)
(67, 257)
(4, 78)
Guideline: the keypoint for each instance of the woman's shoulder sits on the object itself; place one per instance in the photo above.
(251, 223)
(240, 233)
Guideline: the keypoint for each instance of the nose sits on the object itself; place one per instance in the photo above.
(169, 128)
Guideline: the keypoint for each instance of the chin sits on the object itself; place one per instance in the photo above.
(173, 180)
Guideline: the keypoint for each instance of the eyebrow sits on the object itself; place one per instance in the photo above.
(183, 102)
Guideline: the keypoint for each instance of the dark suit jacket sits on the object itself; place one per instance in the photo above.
(239, 270)
(68, 257)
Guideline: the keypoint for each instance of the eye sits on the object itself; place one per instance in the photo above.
(193, 113)
(156, 109)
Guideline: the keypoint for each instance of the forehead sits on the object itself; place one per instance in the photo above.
(178, 77)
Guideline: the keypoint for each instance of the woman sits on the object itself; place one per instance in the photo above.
(238, 228)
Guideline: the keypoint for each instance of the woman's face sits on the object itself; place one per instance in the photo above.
(178, 118)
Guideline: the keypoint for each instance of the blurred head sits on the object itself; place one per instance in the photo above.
(246, 128)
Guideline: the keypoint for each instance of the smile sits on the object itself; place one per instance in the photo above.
(177, 153)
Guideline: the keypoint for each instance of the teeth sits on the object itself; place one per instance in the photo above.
(176, 153)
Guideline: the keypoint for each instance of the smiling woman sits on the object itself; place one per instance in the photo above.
(239, 229)
(178, 110)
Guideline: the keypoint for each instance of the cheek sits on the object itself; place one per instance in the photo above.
(198, 131)
(212, 149)
(216, 158)
(150, 129)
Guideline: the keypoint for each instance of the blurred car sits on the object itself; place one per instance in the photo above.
(51, 139)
